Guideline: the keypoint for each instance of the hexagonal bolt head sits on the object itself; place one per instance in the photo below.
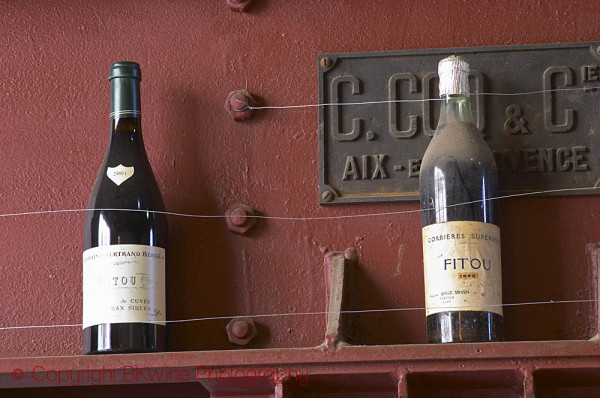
(240, 218)
(237, 104)
(241, 331)
(239, 5)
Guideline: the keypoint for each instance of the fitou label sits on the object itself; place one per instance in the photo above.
(124, 284)
(462, 267)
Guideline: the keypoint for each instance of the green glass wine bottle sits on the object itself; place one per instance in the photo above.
(125, 237)
(461, 238)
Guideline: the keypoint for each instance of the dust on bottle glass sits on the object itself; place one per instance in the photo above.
(461, 238)
(125, 236)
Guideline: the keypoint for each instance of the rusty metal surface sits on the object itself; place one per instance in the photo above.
(526, 369)
(336, 275)
(395, 371)
(542, 141)
(194, 53)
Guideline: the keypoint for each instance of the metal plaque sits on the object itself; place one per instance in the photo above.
(542, 131)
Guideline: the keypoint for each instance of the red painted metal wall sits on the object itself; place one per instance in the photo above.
(54, 125)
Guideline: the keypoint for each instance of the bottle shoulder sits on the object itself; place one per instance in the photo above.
(138, 192)
(126, 182)
(459, 142)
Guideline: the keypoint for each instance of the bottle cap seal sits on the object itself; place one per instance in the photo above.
(454, 76)
(125, 69)
(125, 80)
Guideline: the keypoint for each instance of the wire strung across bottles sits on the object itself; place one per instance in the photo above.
(524, 194)
(399, 101)
(284, 218)
(41, 212)
(213, 318)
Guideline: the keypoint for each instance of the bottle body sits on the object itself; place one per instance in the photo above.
(461, 239)
(125, 240)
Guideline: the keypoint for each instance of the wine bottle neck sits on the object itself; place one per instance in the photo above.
(125, 125)
(125, 107)
(125, 98)
(456, 108)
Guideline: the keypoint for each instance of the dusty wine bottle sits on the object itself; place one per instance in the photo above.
(125, 237)
(461, 239)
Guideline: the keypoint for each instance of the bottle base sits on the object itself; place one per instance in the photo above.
(124, 338)
(465, 327)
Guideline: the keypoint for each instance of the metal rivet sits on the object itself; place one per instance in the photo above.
(327, 196)
(351, 255)
(326, 62)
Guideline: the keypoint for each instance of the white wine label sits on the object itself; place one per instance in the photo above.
(119, 174)
(124, 284)
(462, 267)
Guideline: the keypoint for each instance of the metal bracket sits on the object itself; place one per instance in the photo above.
(337, 266)
(592, 250)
